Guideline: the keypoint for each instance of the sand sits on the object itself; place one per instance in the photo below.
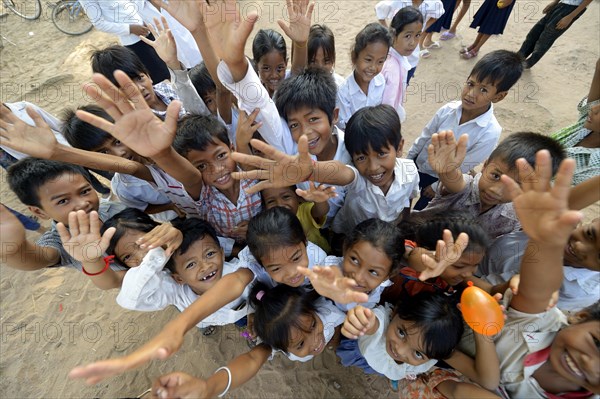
(53, 320)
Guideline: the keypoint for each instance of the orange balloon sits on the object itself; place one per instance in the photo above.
(480, 311)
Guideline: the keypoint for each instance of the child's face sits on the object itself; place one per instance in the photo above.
(284, 197)
(144, 84)
(322, 61)
(201, 266)
(215, 164)
(583, 248)
(309, 339)
(282, 264)
(491, 190)
(406, 42)
(118, 149)
(210, 100)
(575, 354)
(368, 265)
(127, 251)
(463, 268)
(404, 343)
(593, 120)
(69, 192)
(477, 96)
(271, 70)
(378, 166)
(314, 124)
(369, 62)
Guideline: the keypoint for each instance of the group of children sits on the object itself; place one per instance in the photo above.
(279, 200)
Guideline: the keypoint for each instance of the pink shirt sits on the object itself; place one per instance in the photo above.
(395, 71)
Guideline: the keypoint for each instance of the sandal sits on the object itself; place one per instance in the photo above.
(424, 53)
(469, 54)
(464, 50)
(433, 45)
(447, 35)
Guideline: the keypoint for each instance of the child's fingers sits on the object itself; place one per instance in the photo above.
(118, 96)
(149, 42)
(526, 173)
(73, 224)
(134, 99)
(106, 237)
(63, 233)
(306, 272)
(164, 22)
(83, 219)
(513, 189)
(37, 118)
(363, 315)
(350, 331)
(564, 177)
(172, 116)
(543, 169)
(96, 121)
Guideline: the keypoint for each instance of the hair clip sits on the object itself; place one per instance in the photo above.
(260, 294)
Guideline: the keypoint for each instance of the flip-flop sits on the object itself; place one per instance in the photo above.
(447, 35)
(424, 53)
(463, 50)
(433, 45)
(469, 54)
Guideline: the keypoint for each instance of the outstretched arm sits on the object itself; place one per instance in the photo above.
(329, 282)
(300, 15)
(446, 156)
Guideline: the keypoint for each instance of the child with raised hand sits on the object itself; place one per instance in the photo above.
(405, 28)
(408, 341)
(488, 83)
(541, 354)
(365, 85)
(321, 50)
(483, 196)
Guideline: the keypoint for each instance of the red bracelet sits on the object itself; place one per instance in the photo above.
(107, 261)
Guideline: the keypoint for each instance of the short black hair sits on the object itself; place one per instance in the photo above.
(278, 309)
(384, 236)
(372, 33)
(315, 88)
(127, 219)
(431, 230)
(197, 132)
(404, 16)
(26, 176)
(502, 68)
(267, 40)
(201, 79)
(272, 229)
(193, 230)
(111, 58)
(80, 134)
(526, 145)
(373, 127)
(321, 37)
(438, 319)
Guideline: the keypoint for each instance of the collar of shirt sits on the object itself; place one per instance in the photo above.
(377, 81)
(482, 120)
(588, 280)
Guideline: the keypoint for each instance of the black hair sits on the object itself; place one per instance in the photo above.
(373, 127)
(526, 145)
(197, 132)
(278, 309)
(438, 319)
(321, 37)
(109, 59)
(267, 40)
(403, 17)
(193, 230)
(127, 219)
(202, 80)
(590, 313)
(315, 88)
(372, 33)
(26, 176)
(80, 134)
(502, 68)
(429, 232)
(382, 235)
(273, 229)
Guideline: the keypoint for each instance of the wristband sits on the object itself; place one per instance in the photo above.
(107, 261)
(228, 379)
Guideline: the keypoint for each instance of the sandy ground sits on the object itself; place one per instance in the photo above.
(53, 320)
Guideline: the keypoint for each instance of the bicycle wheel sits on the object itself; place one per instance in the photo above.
(28, 9)
(68, 16)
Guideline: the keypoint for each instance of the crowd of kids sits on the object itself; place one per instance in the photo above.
(277, 198)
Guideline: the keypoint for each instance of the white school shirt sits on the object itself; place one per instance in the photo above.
(351, 98)
(148, 287)
(395, 71)
(330, 316)
(374, 295)
(316, 256)
(373, 348)
(484, 133)
(365, 200)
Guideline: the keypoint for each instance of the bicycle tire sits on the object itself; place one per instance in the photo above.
(27, 9)
(71, 21)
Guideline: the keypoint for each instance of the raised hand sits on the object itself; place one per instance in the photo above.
(359, 321)
(179, 385)
(321, 193)
(37, 141)
(82, 238)
(246, 127)
(164, 234)
(280, 170)
(163, 43)
(543, 209)
(447, 252)
(444, 153)
(330, 282)
(12, 233)
(300, 15)
(189, 13)
(135, 123)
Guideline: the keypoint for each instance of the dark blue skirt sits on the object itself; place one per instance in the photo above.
(445, 21)
(349, 353)
(490, 19)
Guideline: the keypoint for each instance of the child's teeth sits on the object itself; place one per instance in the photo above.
(572, 365)
(208, 276)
